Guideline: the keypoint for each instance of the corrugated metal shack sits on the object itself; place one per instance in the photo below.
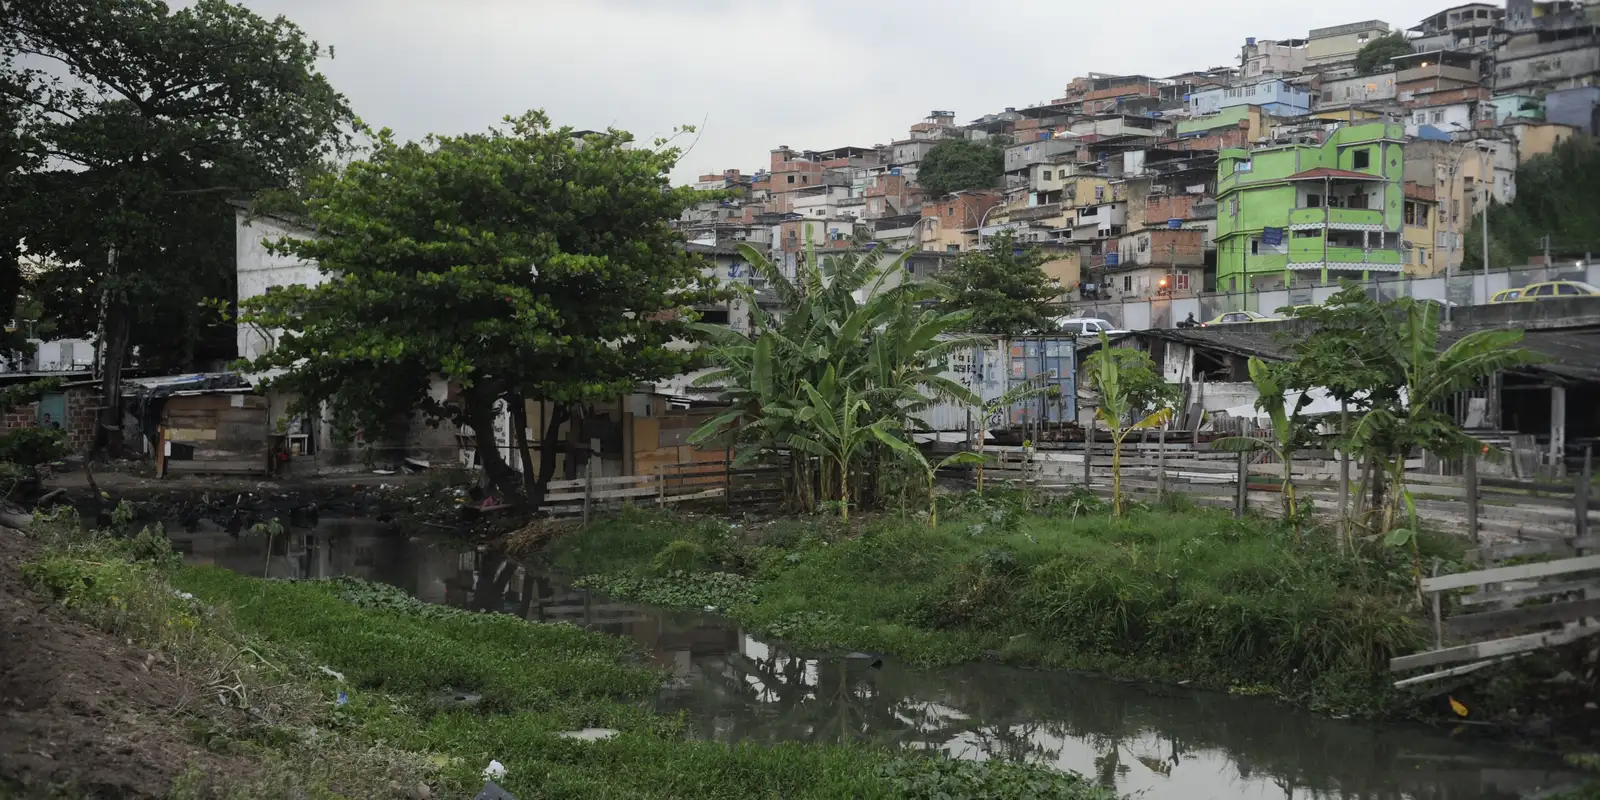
(205, 423)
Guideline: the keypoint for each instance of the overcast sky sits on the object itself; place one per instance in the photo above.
(753, 74)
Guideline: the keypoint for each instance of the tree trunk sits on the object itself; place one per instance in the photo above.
(574, 431)
(547, 455)
(108, 429)
(479, 412)
(519, 435)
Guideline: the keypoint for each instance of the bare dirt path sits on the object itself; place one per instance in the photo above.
(83, 713)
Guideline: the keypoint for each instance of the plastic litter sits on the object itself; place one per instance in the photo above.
(494, 770)
(338, 676)
(343, 698)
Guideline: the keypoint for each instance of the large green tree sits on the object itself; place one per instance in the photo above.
(953, 165)
(1376, 53)
(150, 120)
(1004, 287)
(520, 264)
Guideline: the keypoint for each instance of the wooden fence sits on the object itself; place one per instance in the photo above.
(1478, 617)
(1500, 511)
(672, 484)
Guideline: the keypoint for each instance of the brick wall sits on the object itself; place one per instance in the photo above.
(79, 424)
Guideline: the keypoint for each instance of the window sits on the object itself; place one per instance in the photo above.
(805, 179)
(1327, 95)
(1362, 159)
(1047, 174)
(1505, 72)
(1438, 116)
(1183, 280)
(1419, 117)
(1422, 255)
(791, 179)
(1313, 201)
(1255, 247)
(1307, 233)
(1144, 244)
(1243, 166)
(1127, 283)
(1363, 37)
(1567, 288)
(1356, 201)
(952, 248)
(1249, 91)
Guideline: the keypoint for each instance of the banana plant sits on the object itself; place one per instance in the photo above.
(1416, 421)
(1288, 429)
(1016, 394)
(1126, 392)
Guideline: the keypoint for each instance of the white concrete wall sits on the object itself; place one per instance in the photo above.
(258, 270)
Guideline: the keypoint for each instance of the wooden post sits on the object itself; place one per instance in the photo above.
(1558, 430)
(1581, 493)
(727, 481)
(1161, 463)
(1088, 452)
(1438, 611)
(1471, 469)
(588, 485)
(661, 486)
(1243, 500)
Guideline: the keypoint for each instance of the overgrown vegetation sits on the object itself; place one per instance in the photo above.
(1165, 595)
(349, 685)
(1558, 195)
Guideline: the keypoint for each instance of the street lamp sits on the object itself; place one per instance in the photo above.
(915, 243)
(1455, 176)
(983, 219)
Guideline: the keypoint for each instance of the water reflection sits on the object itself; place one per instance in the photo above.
(1160, 743)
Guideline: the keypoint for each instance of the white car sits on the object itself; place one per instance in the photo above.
(1086, 326)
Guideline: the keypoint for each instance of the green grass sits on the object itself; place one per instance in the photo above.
(1188, 595)
(397, 657)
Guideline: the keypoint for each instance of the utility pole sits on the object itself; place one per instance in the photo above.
(1488, 185)
(1544, 242)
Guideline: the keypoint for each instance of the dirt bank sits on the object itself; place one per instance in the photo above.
(82, 713)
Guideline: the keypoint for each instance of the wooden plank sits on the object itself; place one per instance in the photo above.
(1453, 671)
(1490, 649)
(1503, 574)
(615, 480)
(1528, 486)
(230, 467)
(1533, 547)
(609, 494)
(705, 495)
(1518, 595)
(1489, 621)
(191, 435)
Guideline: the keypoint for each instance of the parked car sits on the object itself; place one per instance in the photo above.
(1238, 317)
(1550, 289)
(1086, 326)
(1506, 296)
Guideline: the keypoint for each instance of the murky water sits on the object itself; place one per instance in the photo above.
(1155, 743)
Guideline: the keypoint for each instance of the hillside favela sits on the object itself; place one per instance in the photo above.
(520, 399)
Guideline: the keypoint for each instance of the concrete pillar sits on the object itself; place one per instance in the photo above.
(1558, 427)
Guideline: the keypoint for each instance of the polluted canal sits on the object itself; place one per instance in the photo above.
(1151, 742)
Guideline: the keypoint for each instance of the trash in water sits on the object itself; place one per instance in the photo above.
(494, 770)
(493, 792)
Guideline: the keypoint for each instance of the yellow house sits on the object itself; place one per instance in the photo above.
(1420, 236)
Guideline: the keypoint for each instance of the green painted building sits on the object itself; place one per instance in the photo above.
(1297, 214)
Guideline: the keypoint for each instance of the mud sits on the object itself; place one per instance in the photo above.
(82, 713)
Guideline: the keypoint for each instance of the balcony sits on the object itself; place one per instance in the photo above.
(1309, 252)
(1335, 216)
